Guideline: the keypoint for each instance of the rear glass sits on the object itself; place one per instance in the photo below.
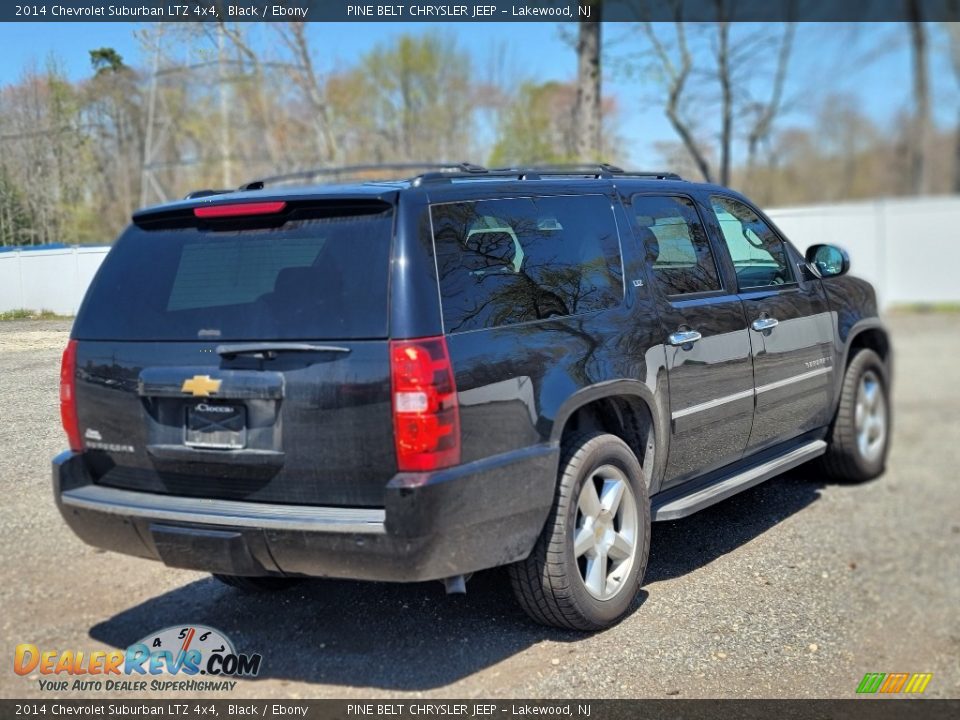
(310, 279)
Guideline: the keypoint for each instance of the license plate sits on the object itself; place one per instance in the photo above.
(221, 427)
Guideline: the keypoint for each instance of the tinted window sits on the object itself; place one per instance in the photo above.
(759, 256)
(678, 250)
(310, 279)
(511, 261)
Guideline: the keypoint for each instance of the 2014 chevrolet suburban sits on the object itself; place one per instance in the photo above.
(420, 379)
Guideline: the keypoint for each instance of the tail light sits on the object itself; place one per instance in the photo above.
(68, 396)
(244, 209)
(426, 417)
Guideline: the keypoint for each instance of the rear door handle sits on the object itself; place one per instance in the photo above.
(684, 337)
(764, 323)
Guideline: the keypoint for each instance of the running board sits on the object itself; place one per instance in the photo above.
(674, 507)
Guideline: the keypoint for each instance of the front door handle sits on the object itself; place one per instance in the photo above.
(764, 323)
(684, 337)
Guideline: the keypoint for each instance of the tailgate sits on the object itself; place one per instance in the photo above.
(303, 428)
(242, 358)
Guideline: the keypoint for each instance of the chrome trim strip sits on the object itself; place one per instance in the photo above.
(233, 513)
(710, 404)
(795, 379)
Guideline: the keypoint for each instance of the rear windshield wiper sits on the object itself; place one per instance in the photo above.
(269, 350)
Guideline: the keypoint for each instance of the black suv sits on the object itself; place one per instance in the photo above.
(416, 380)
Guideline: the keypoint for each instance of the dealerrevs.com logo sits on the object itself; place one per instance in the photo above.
(171, 659)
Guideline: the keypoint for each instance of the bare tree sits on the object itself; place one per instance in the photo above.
(920, 137)
(294, 36)
(953, 32)
(692, 88)
(676, 69)
(725, 78)
(766, 113)
(588, 111)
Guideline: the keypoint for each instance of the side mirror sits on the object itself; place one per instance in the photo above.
(828, 260)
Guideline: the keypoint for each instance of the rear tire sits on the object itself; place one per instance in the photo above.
(859, 438)
(587, 566)
(257, 584)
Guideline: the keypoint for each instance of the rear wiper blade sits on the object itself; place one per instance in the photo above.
(269, 350)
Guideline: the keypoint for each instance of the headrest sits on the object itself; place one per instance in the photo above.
(294, 277)
(645, 235)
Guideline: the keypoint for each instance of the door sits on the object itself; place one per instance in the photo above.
(705, 339)
(791, 330)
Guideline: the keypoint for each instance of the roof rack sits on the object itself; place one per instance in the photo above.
(448, 172)
(206, 193)
(462, 168)
(602, 171)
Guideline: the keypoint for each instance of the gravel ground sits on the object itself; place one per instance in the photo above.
(793, 589)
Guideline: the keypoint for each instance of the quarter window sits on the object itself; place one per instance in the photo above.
(502, 262)
(676, 243)
(758, 254)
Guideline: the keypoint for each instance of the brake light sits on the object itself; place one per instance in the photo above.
(239, 209)
(426, 417)
(68, 396)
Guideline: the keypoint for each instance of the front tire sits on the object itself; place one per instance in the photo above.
(860, 436)
(587, 566)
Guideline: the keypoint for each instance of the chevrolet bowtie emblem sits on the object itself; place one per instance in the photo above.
(200, 386)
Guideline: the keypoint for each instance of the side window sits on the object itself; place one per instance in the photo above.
(677, 246)
(759, 256)
(509, 261)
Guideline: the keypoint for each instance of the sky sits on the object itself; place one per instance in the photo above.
(871, 62)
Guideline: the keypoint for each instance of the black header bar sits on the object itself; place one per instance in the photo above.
(476, 10)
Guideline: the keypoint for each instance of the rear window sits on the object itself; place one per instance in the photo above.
(676, 242)
(502, 262)
(309, 279)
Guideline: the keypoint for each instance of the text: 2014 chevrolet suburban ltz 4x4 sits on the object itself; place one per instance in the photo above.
(413, 380)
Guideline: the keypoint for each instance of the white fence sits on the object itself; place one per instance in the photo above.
(47, 279)
(909, 249)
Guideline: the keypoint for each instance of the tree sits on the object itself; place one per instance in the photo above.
(294, 36)
(46, 152)
(15, 221)
(106, 60)
(588, 110)
(920, 137)
(953, 35)
(538, 128)
(675, 76)
(696, 92)
(113, 115)
(408, 100)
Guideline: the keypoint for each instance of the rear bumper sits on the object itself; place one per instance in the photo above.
(434, 525)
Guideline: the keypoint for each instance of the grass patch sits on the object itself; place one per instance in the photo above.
(926, 308)
(24, 314)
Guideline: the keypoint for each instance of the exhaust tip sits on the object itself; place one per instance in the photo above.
(456, 585)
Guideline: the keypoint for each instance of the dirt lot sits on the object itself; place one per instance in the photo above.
(795, 588)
